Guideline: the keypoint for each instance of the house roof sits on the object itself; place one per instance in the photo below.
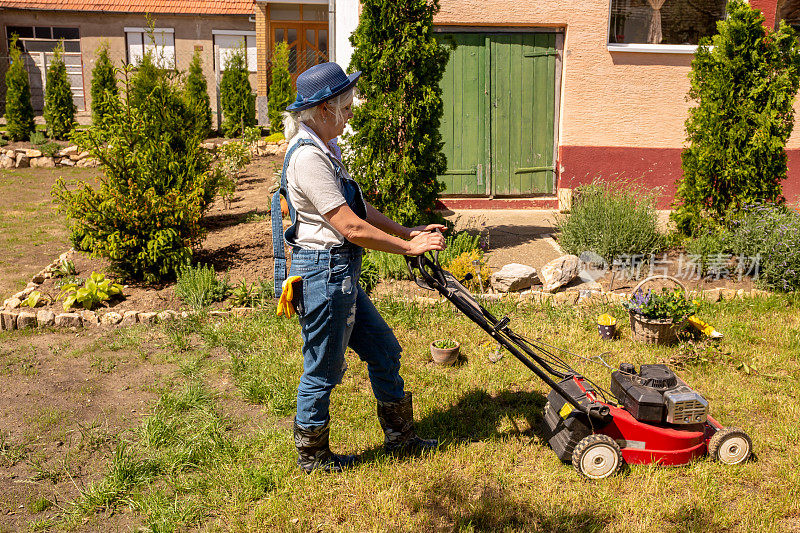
(189, 7)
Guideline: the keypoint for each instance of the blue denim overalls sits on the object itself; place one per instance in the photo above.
(335, 311)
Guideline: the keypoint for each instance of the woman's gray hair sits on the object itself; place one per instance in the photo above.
(293, 119)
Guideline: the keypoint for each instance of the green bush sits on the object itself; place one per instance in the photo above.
(766, 237)
(157, 182)
(96, 290)
(197, 99)
(274, 137)
(236, 95)
(19, 111)
(281, 93)
(38, 138)
(458, 244)
(253, 294)
(611, 221)
(144, 81)
(50, 149)
(744, 80)
(370, 276)
(104, 85)
(198, 287)
(396, 148)
(59, 109)
(709, 247)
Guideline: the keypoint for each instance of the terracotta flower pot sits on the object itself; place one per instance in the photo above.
(445, 356)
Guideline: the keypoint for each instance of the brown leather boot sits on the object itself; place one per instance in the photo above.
(397, 421)
(314, 451)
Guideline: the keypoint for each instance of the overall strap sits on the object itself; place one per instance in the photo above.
(278, 236)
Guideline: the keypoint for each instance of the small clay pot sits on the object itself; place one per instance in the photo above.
(445, 356)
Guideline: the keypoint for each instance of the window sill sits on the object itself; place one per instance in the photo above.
(653, 48)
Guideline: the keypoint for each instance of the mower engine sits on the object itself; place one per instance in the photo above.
(656, 394)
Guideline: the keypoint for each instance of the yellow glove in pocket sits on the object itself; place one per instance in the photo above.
(290, 296)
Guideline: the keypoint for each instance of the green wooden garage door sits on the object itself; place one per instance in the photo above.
(499, 114)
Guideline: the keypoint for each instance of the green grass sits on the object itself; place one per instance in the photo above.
(197, 463)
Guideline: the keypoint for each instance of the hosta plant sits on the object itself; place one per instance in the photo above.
(96, 290)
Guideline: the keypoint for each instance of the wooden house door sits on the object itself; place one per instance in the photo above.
(499, 97)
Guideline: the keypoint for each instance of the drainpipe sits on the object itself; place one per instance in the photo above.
(331, 30)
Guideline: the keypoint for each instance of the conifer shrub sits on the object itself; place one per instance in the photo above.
(236, 95)
(143, 81)
(104, 85)
(744, 80)
(281, 92)
(19, 111)
(144, 216)
(59, 109)
(197, 99)
(396, 148)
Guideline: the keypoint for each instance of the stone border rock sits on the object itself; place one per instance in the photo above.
(70, 157)
(12, 316)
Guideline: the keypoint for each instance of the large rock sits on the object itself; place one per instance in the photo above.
(559, 272)
(129, 318)
(8, 320)
(89, 318)
(68, 150)
(513, 277)
(12, 303)
(7, 162)
(111, 319)
(67, 162)
(45, 317)
(147, 318)
(22, 161)
(42, 162)
(32, 152)
(26, 319)
(68, 320)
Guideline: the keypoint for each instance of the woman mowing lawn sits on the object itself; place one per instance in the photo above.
(331, 224)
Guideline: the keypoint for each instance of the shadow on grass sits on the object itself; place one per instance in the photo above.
(457, 504)
(476, 417)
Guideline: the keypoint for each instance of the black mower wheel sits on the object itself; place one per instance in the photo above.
(597, 457)
(730, 446)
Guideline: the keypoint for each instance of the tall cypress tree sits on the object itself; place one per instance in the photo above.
(281, 92)
(196, 95)
(396, 148)
(59, 109)
(19, 111)
(744, 81)
(104, 85)
(236, 95)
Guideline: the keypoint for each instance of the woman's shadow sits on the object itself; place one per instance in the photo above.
(476, 417)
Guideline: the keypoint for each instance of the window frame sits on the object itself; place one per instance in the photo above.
(688, 49)
(252, 62)
(141, 32)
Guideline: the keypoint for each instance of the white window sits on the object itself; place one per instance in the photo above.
(227, 41)
(160, 43)
(652, 23)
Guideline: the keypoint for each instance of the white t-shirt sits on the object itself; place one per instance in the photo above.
(313, 190)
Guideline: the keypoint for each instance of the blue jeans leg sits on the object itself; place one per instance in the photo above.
(374, 342)
(326, 326)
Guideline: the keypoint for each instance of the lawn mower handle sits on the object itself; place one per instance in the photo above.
(433, 279)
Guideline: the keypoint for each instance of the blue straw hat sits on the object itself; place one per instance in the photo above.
(319, 83)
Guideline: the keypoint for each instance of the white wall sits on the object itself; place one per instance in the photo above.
(345, 20)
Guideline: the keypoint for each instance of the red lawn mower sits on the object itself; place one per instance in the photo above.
(654, 417)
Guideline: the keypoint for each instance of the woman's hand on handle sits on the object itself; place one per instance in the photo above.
(430, 227)
(426, 241)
